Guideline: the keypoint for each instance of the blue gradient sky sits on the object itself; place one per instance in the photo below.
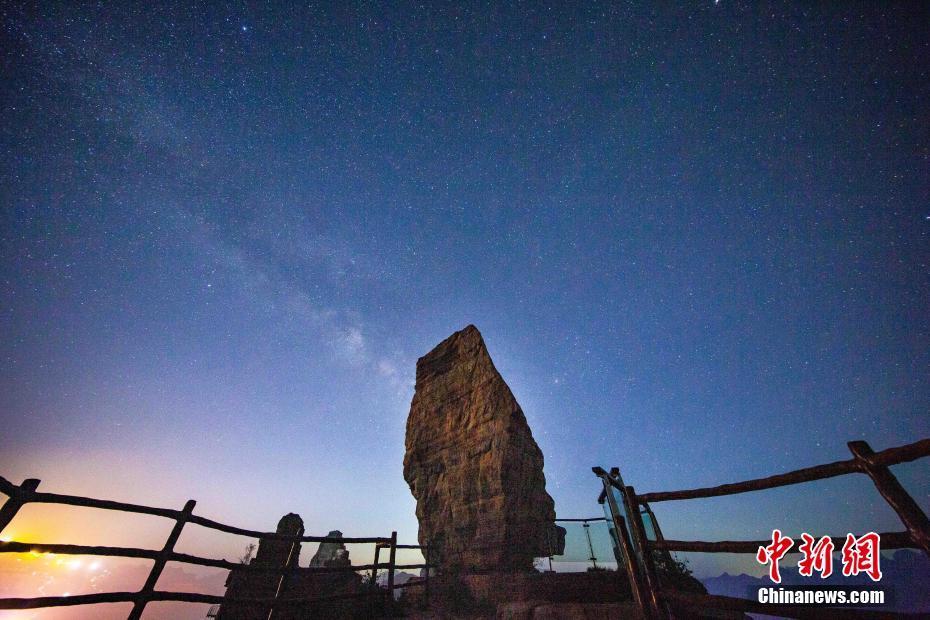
(695, 239)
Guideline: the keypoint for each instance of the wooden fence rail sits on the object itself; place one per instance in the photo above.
(25, 493)
(656, 601)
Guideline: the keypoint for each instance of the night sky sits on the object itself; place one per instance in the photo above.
(695, 238)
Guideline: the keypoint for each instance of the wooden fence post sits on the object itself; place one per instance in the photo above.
(374, 568)
(18, 498)
(914, 519)
(373, 586)
(392, 557)
(143, 595)
(638, 532)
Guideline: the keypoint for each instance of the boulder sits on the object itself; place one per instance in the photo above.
(472, 465)
(331, 554)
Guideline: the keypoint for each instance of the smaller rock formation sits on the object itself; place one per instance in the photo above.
(302, 586)
(271, 554)
(331, 554)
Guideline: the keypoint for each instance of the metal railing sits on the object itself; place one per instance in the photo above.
(660, 602)
(26, 493)
(579, 546)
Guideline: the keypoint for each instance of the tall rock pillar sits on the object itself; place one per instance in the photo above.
(473, 466)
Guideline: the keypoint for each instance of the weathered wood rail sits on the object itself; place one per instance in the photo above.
(26, 493)
(658, 602)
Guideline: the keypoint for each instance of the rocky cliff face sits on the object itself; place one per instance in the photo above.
(473, 466)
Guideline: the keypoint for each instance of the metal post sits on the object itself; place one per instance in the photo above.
(911, 515)
(19, 496)
(143, 595)
(587, 533)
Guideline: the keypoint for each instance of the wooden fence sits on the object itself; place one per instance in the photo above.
(658, 602)
(25, 493)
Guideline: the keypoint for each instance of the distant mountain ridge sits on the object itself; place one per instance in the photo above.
(400, 578)
(906, 574)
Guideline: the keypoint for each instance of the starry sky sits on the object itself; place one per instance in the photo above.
(694, 236)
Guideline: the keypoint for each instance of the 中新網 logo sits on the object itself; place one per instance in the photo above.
(859, 555)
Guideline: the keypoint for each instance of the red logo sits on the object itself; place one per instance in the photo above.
(773, 553)
(817, 557)
(859, 555)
